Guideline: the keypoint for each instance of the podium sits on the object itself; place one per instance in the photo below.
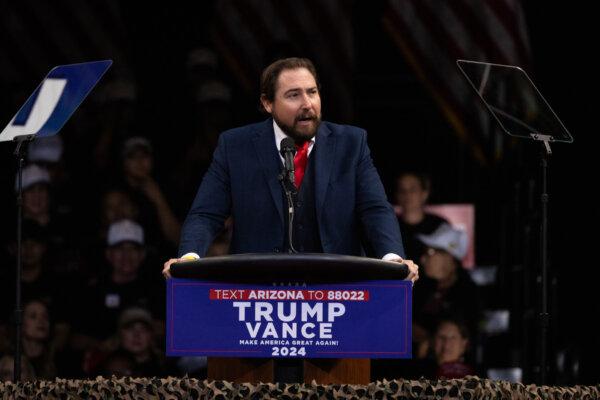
(294, 271)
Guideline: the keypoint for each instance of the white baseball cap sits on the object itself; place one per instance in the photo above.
(33, 174)
(125, 230)
(445, 237)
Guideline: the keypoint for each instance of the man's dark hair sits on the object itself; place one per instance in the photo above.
(270, 75)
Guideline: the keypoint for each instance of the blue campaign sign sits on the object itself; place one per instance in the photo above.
(55, 100)
(369, 319)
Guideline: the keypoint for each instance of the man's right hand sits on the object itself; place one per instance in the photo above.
(167, 267)
(186, 257)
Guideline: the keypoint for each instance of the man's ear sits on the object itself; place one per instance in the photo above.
(267, 105)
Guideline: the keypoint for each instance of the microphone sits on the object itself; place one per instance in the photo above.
(288, 150)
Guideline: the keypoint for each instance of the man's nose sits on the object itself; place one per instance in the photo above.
(306, 101)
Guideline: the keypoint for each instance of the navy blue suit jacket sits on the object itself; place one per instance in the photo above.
(242, 181)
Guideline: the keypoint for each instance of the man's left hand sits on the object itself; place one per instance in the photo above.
(413, 269)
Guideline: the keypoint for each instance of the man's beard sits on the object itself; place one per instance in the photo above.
(293, 132)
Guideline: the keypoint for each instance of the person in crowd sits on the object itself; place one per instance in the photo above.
(137, 338)
(449, 289)
(39, 345)
(118, 119)
(411, 195)
(132, 350)
(61, 207)
(39, 281)
(39, 206)
(202, 65)
(450, 345)
(443, 353)
(38, 203)
(155, 212)
(123, 284)
(115, 205)
(37, 341)
(36, 194)
(47, 152)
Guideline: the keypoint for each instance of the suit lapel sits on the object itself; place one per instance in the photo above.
(324, 161)
(264, 144)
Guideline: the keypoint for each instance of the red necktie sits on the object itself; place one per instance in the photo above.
(300, 162)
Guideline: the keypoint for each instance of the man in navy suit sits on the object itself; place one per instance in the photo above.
(340, 202)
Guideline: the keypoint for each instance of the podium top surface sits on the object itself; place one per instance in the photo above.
(303, 267)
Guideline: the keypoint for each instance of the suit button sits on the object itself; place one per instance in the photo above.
(300, 226)
(299, 204)
(276, 250)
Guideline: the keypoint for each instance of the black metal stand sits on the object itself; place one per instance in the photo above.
(544, 316)
(19, 153)
(530, 116)
(290, 191)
